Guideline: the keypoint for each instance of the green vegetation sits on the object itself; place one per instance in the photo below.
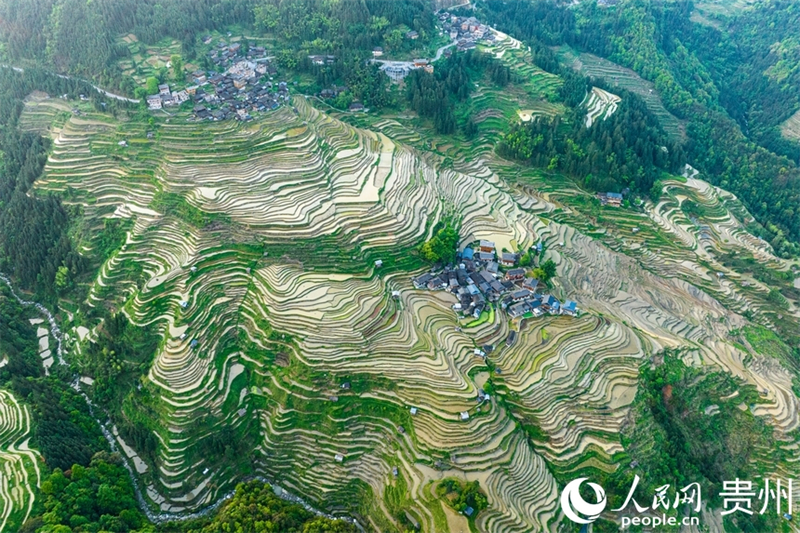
(694, 425)
(112, 236)
(328, 27)
(87, 499)
(460, 494)
(442, 247)
(177, 205)
(255, 508)
(693, 209)
(121, 353)
(436, 95)
(65, 431)
(487, 315)
(545, 272)
(34, 230)
(765, 342)
(17, 339)
(629, 149)
(710, 77)
(290, 356)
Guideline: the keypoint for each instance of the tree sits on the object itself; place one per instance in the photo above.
(93, 498)
(549, 268)
(545, 272)
(656, 190)
(177, 67)
(152, 85)
(255, 508)
(470, 129)
(442, 247)
(62, 278)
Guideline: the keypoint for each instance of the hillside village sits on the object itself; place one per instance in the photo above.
(239, 89)
(484, 277)
(465, 33)
(242, 82)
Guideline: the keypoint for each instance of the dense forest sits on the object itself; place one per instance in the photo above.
(78, 37)
(96, 497)
(435, 95)
(34, 241)
(254, 508)
(732, 86)
(628, 150)
(64, 430)
(347, 25)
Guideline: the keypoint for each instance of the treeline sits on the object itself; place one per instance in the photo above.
(705, 76)
(348, 30)
(364, 81)
(95, 497)
(755, 61)
(435, 95)
(629, 149)
(255, 508)
(63, 429)
(34, 241)
(329, 27)
(78, 37)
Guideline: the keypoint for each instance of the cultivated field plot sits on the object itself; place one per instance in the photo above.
(253, 247)
(791, 128)
(592, 65)
(722, 7)
(540, 86)
(44, 115)
(715, 13)
(145, 60)
(19, 465)
(600, 105)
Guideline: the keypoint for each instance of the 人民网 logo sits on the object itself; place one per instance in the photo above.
(576, 508)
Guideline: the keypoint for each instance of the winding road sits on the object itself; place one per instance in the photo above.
(410, 64)
(95, 87)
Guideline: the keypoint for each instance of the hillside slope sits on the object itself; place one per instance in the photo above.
(251, 252)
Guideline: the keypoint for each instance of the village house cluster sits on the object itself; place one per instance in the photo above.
(397, 70)
(466, 31)
(613, 199)
(236, 92)
(484, 276)
(167, 98)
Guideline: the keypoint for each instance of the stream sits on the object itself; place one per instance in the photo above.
(156, 518)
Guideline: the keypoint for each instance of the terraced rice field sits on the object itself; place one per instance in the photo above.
(723, 7)
(597, 67)
(302, 350)
(146, 60)
(600, 105)
(19, 465)
(539, 86)
(791, 128)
